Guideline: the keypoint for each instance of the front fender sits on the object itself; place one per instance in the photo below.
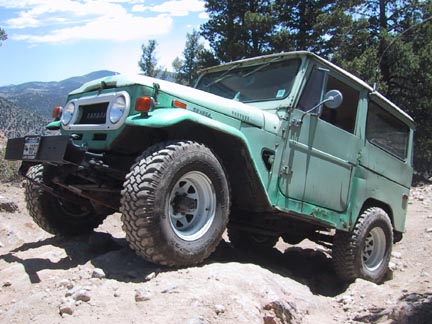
(248, 166)
(166, 117)
(161, 118)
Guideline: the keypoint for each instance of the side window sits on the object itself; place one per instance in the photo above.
(386, 131)
(312, 92)
(345, 116)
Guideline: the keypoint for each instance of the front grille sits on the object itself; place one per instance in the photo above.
(94, 113)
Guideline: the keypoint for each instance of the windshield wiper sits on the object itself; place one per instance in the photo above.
(260, 67)
(224, 75)
(255, 70)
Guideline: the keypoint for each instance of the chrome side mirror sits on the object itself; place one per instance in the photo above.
(333, 99)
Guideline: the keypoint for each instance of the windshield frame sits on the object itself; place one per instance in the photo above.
(253, 83)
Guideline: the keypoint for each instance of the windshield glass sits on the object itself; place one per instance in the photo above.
(264, 82)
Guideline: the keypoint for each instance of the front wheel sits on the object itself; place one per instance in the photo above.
(175, 204)
(56, 215)
(365, 252)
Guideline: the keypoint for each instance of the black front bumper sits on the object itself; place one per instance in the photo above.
(37, 149)
(60, 150)
(78, 173)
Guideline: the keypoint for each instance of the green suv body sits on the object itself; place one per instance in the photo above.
(286, 145)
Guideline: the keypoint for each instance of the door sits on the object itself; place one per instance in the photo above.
(321, 151)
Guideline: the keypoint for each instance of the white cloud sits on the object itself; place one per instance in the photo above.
(122, 28)
(173, 7)
(49, 21)
(203, 15)
(40, 12)
(179, 7)
(139, 8)
(23, 22)
(13, 4)
(71, 20)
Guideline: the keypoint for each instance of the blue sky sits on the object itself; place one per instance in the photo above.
(51, 40)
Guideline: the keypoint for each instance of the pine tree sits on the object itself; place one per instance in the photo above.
(177, 65)
(3, 35)
(187, 69)
(148, 61)
(388, 19)
(238, 29)
(297, 20)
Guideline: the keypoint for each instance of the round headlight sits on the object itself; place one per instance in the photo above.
(68, 113)
(117, 109)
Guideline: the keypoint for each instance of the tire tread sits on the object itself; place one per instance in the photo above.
(347, 244)
(140, 223)
(42, 207)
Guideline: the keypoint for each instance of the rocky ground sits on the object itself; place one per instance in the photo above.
(98, 279)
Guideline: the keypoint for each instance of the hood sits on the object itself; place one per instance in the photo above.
(232, 108)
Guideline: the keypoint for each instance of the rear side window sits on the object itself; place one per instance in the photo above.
(387, 132)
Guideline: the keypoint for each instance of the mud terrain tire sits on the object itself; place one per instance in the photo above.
(54, 215)
(365, 252)
(175, 203)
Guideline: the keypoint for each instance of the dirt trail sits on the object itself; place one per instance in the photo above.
(98, 279)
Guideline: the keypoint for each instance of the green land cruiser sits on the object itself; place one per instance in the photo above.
(286, 145)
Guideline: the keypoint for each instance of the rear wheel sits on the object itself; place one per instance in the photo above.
(365, 252)
(175, 204)
(55, 215)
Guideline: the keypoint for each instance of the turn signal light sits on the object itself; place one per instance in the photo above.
(57, 112)
(179, 104)
(144, 104)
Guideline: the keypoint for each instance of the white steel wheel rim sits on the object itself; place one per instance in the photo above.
(374, 249)
(192, 206)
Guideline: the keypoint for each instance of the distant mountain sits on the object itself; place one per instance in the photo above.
(42, 97)
(16, 121)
